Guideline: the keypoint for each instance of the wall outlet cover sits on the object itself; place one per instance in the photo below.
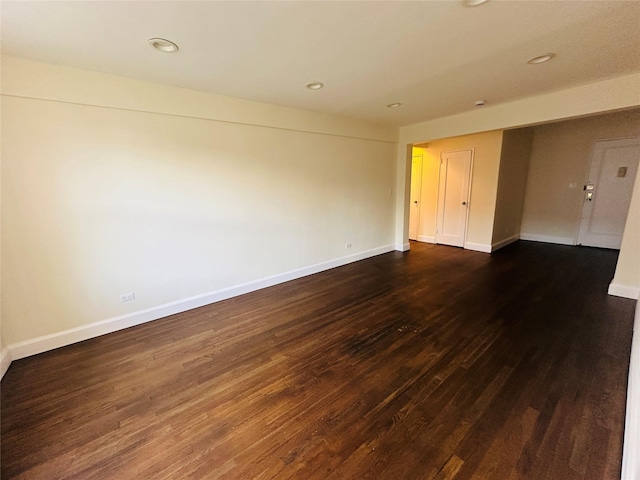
(127, 297)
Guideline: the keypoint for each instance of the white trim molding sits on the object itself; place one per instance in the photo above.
(5, 361)
(631, 448)
(478, 247)
(625, 291)
(403, 247)
(424, 238)
(102, 327)
(505, 242)
(548, 239)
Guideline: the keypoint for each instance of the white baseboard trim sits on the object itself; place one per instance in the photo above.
(5, 361)
(505, 242)
(625, 291)
(403, 247)
(478, 247)
(92, 330)
(548, 239)
(424, 238)
(631, 446)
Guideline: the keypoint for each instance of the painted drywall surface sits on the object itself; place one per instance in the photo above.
(404, 153)
(628, 266)
(512, 182)
(26, 78)
(631, 449)
(613, 94)
(608, 95)
(99, 202)
(559, 167)
(484, 181)
(5, 358)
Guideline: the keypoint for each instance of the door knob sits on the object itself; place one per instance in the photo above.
(464, 203)
(415, 201)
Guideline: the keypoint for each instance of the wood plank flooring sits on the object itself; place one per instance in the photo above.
(439, 363)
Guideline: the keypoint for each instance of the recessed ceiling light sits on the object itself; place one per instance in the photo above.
(163, 45)
(394, 105)
(473, 3)
(479, 103)
(541, 58)
(315, 85)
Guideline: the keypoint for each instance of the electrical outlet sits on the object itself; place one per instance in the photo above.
(127, 297)
(348, 245)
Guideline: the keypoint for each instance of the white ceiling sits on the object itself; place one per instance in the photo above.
(436, 57)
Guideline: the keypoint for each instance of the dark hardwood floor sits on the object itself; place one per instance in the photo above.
(437, 363)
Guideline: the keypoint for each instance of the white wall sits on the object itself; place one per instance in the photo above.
(112, 185)
(613, 94)
(559, 167)
(512, 182)
(631, 450)
(484, 182)
(626, 281)
(5, 358)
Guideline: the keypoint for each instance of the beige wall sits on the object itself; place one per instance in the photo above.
(512, 182)
(627, 276)
(111, 185)
(26, 78)
(560, 160)
(484, 181)
(607, 95)
(4, 352)
(5, 359)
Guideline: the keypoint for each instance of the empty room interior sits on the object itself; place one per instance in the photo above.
(320, 240)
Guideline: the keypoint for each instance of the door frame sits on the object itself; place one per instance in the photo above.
(635, 140)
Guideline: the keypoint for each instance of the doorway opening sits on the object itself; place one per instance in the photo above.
(607, 193)
(415, 195)
(439, 196)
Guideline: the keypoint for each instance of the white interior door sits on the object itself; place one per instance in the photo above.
(453, 197)
(416, 189)
(607, 194)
